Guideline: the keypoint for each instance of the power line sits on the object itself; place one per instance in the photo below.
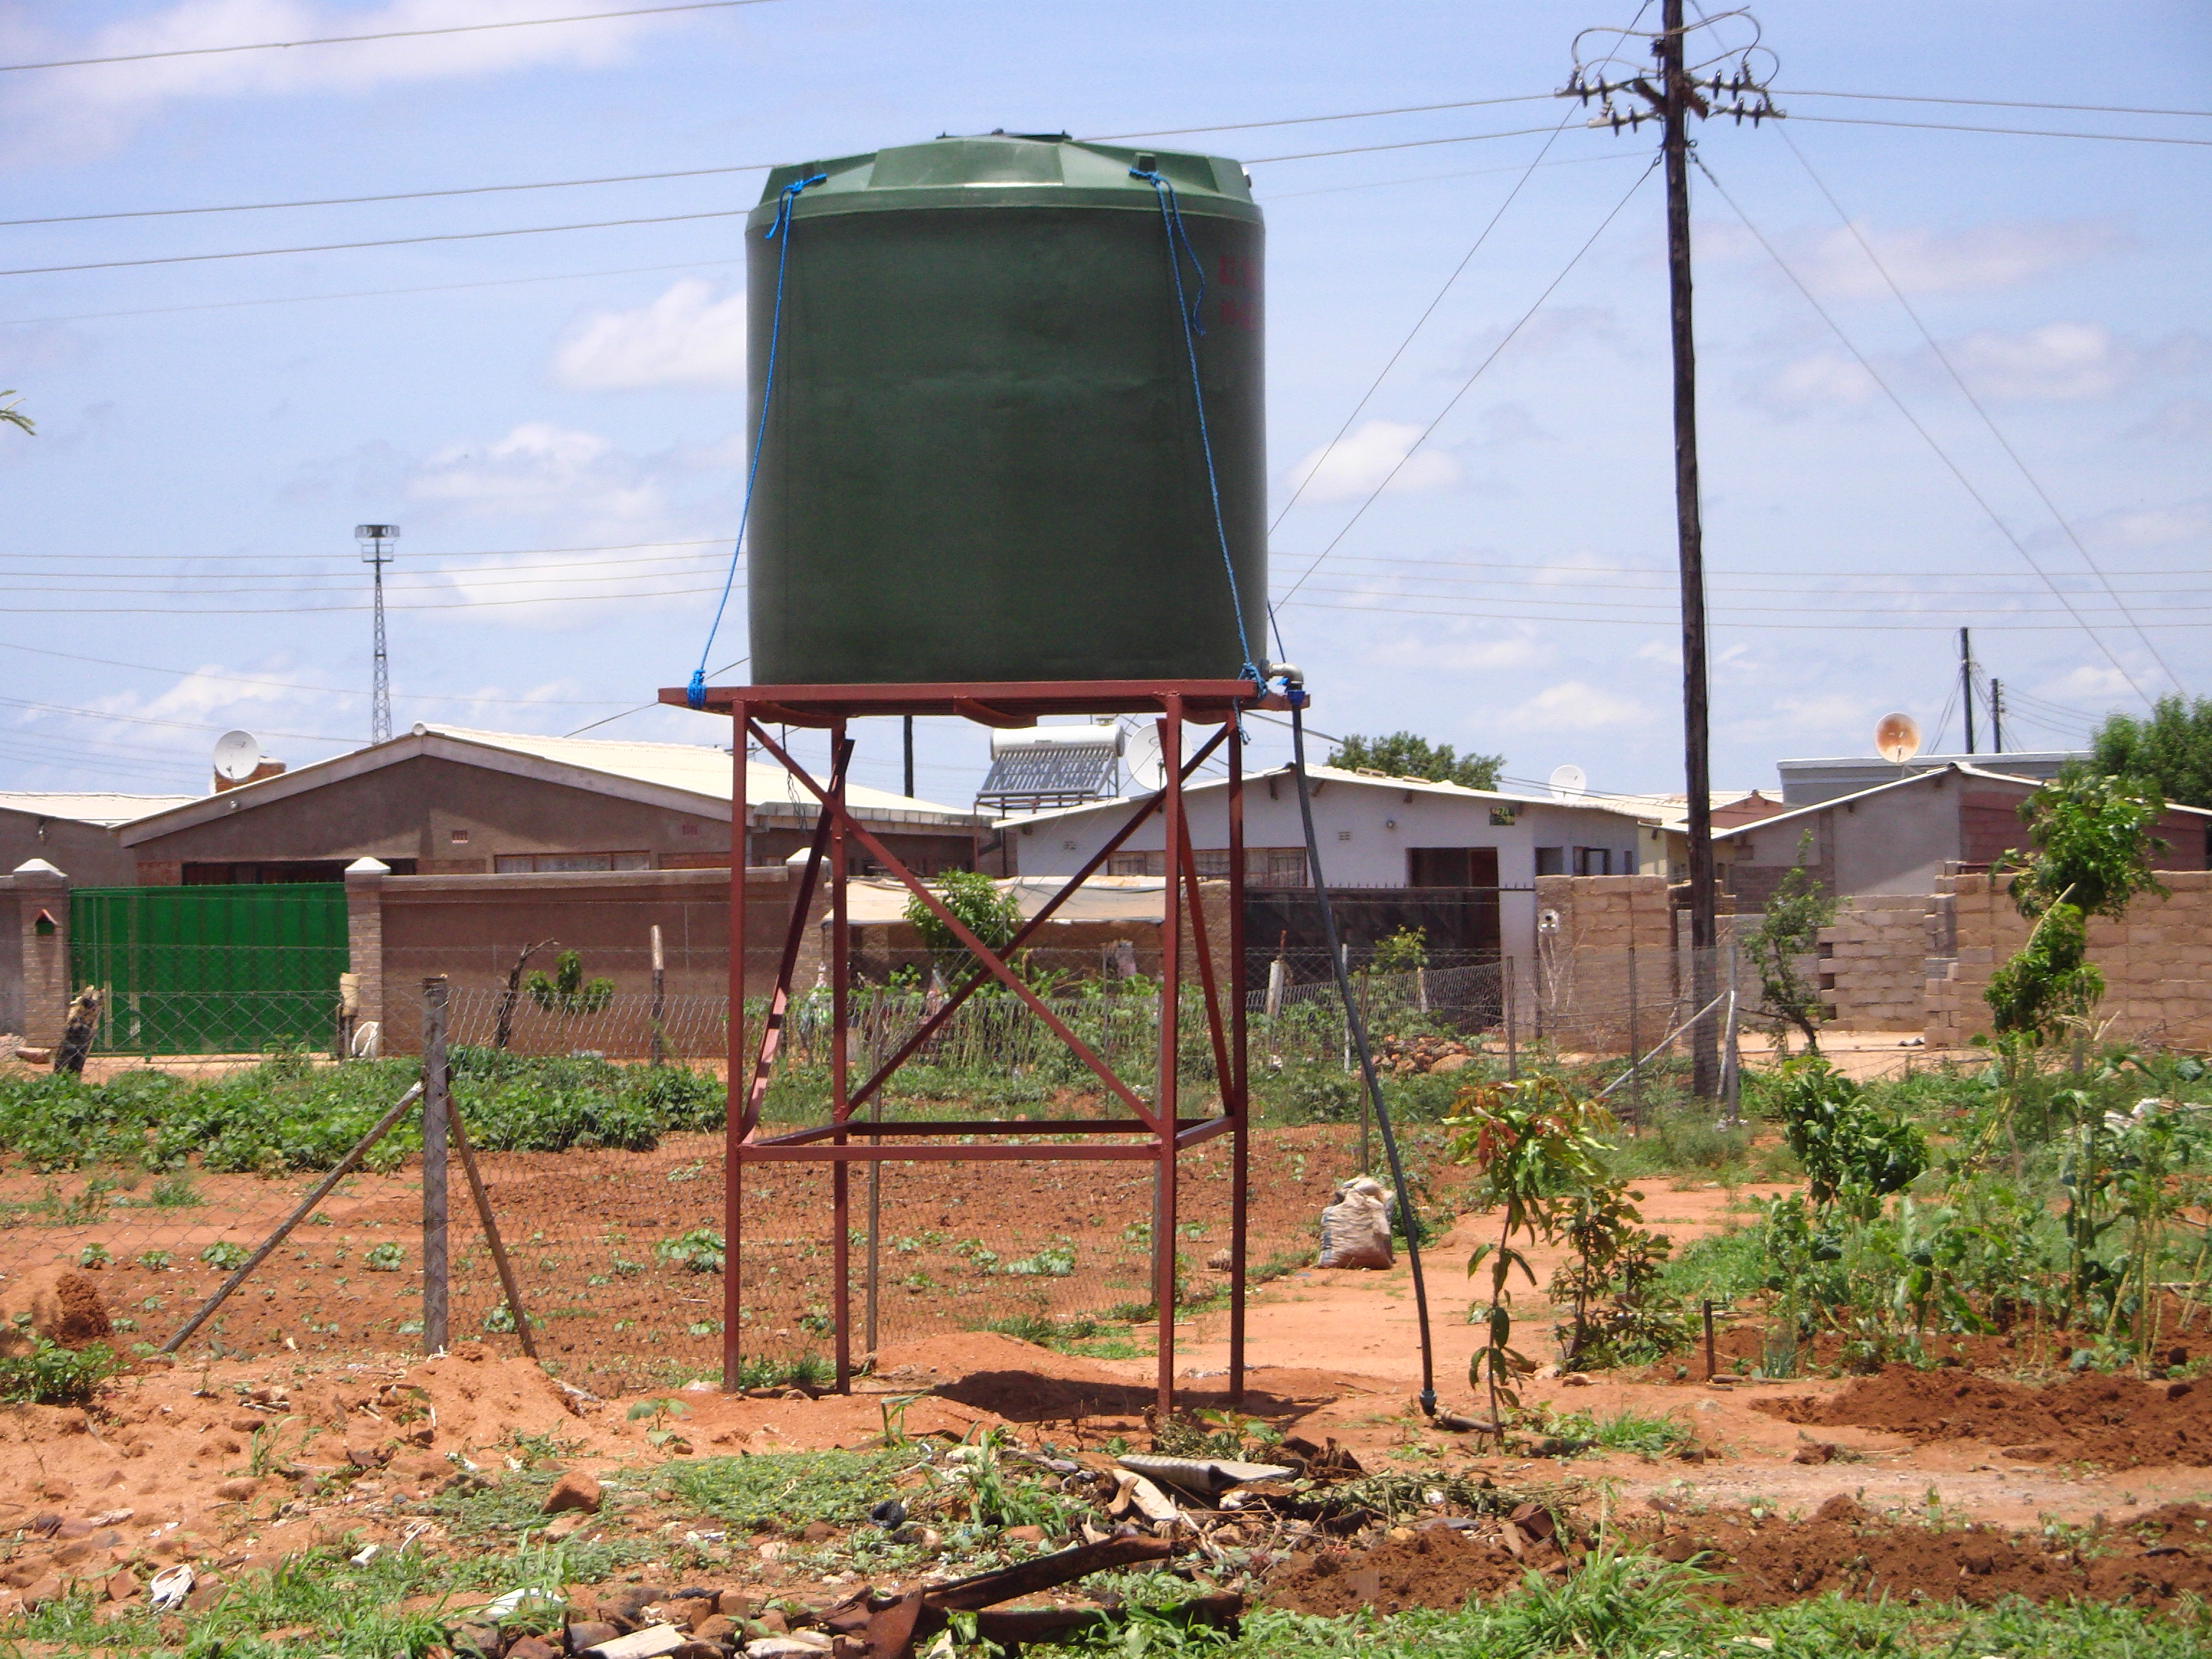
(1436, 177)
(1614, 572)
(1372, 149)
(480, 553)
(1827, 608)
(148, 720)
(391, 196)
(365, 294)
(386, 241)
(1941, 454)
(1988, 103)
(315, 610)
(1967, 392)
(295, 685)
(1308, 120)
(2014, 132)
(1468, 383)
(1637, 622)
(383, 34)
(1419, 323)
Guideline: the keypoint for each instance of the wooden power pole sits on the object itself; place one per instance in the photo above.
(1675, 98)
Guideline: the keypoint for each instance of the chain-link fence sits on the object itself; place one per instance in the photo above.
(603, 1168)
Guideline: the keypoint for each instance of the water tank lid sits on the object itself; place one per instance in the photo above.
(1010, 169)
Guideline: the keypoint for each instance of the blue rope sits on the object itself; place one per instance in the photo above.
(1172, 221)
(695, 693)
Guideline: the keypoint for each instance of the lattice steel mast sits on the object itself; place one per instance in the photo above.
(373, 554)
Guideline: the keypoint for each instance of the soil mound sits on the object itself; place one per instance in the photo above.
(2150, 1562)
(1436, 1567)
(2112, 1420)
(60, 1304)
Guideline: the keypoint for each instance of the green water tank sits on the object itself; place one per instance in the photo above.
(982, 458)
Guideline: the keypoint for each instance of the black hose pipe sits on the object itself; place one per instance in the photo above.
(1298, 698)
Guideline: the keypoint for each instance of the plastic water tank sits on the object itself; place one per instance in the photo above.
(982, 458)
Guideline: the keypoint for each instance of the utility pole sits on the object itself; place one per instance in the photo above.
(909, 757)
(1967, 684)
(1671, 102)
(373, 555)
(1997, 716)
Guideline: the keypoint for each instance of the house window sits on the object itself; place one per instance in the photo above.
(545, 863)
(1264, 866)
(1593, 860)
(460, 837)
(690, 829)
(1550, 861)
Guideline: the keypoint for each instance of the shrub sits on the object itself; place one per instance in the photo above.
(224, 1256)
(1842, 1138)
(700, 1250)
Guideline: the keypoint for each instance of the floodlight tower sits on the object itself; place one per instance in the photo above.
(372, 536)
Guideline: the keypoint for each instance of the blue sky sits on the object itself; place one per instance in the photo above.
(211, 431)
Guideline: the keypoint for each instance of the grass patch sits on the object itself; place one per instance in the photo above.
(785, 1491)
(1079, 1335)
(1627, 1430)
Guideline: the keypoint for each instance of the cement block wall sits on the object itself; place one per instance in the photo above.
(1582, 985)
(2156, 960)
(1874, 962)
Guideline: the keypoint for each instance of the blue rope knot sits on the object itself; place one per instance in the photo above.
(1193, 328)
(695, 694)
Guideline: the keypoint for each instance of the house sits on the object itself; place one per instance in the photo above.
(448, 800)
(76, 832)
(1664, 841)
(1898, 836)
(1808, 782)
(1459, 863)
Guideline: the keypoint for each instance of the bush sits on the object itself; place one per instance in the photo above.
(1842, 1138)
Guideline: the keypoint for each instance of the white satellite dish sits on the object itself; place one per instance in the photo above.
(237, 757)
(1143, 756)
(1568, 782)
(1897, 738)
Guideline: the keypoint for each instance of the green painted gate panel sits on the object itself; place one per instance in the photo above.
(211, 969)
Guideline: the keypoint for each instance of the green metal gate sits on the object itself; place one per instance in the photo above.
(200, 970)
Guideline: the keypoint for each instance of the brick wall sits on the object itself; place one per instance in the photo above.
(1874, 962)
(1583, 963)
(2156, 960)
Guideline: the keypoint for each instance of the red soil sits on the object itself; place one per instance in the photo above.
(2089, 1419)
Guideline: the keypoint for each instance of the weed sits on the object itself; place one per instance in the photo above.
(698, 1251)
(386, 1258)
(93, 1255)
(153, 1260)
(788, 1489)
(1054, 1261)
(50, 1374)
(224, 1256)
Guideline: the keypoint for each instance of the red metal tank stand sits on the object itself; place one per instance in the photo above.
(1159, 1132)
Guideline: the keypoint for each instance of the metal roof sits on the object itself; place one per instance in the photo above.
(1620, 806)
(100, 807)
(682, 776)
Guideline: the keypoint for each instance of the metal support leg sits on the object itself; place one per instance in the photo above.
(841, 1105)
(738, 1094)
(1236, 1099)
(1163, 1091)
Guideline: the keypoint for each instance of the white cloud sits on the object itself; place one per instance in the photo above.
(1825, 379)
(535, 467)
(2085, 682)
(1575, 706)
(686, 337)
(1365, 458)
(1974, 259)
(2066, 362)
(95, 106)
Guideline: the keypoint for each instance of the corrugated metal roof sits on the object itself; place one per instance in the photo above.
(102, 808)
(694, 768)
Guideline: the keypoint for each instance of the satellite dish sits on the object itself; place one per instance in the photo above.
(1568, 782)
(1897, 738)
(237, 755)
(1143, 754)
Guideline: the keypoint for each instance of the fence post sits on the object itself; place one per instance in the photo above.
(1728, 1036)
(437, 1103)
(1635, 1046)
(659, 1000)
(1512, 1051)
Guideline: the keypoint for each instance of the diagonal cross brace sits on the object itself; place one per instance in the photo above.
(780, 1000)
(960, 930)
(1113, 845)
